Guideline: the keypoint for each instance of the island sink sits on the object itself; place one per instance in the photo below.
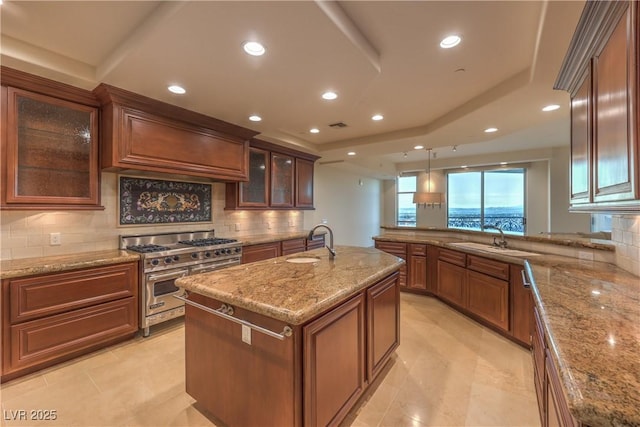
(303, 260)
(493, 249)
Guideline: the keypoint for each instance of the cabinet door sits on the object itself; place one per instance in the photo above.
(304, 183)
(417, 272)
(293, 246)
(383, 302)
(255, 192)
(260, 252)
(452, 283)
(432, 268)
(521, 307)
(398, 249)
(614, 147)
(581, 142)
(281, 180)
(334, 363)
(488, 298)
(51, 152)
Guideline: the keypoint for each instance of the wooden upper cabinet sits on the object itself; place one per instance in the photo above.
(279, 178)
(144, 134)
(600, 71)
(581, 141)
(304, 183)
(282, 180)
(614, 142)
(49, 144)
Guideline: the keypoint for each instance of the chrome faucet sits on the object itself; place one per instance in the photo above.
(332, 252)
(503, 242)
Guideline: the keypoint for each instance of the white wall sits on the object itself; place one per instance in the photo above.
(350, 209)
(538, 190)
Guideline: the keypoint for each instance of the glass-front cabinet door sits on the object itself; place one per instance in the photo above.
(281, 180)
(52, 152)
(255, 192)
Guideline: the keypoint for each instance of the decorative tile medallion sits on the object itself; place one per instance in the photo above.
(155, 201)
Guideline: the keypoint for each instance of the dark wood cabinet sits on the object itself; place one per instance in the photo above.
(334, 362)
(49, 144)
(279, 178)
(383, 324)
(433, 252)
(521, 307)
(400, 250)
(600, 71)
(293, 246)
(304, 183)
(315, 243)
(538, 354)
(255, 192)
(145, 134)
(417, 266)
(262, 251)
(51, 318)
(488, 298)
(452, 283)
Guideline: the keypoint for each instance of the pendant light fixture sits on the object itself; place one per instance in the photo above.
(428, 198)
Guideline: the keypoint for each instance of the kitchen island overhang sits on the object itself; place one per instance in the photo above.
(344, 321)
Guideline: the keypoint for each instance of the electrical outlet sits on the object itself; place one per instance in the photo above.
(237, 226)
(587, 256)
(55, 239)
(268, 226)
(246, 334)
(324, 221)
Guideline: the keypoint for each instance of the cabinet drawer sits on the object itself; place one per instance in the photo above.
(453, 257)
(292, 246)
(496, 269)
(260, 252)
(49, 339)
(46, 295)
(395, 248)
(316, 242)
(417, 249)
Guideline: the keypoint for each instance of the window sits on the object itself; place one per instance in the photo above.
(406, 214)
(493, 197)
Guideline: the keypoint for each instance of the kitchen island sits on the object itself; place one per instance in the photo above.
(313, 336)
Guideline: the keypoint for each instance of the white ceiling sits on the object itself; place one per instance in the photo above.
(380, 57)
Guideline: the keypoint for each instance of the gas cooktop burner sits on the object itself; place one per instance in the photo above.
(207, 242)
(147, 248)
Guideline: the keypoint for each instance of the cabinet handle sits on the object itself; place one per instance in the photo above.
(525, 283)
(222, 312)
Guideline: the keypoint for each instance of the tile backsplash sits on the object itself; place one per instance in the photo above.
(625, 233)
(26, 234)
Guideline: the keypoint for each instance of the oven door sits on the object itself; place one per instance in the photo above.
(160, 289)
(211, 266)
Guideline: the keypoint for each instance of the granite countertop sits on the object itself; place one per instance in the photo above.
(591, 315)
(53, 264)
(295, 293)
(576, 240)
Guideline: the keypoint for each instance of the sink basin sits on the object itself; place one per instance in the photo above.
(303, 260)
(493, 249)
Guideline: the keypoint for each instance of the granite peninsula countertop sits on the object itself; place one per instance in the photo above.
(291, 292)
(575, 240)
(57, 263)
(590, 311)
(591, 315)
(256, 239)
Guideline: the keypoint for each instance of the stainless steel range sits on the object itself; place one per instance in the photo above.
(169, 256)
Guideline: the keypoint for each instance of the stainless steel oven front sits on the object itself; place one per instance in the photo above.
(158, 303)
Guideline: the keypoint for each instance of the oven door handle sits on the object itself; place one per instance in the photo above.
(173, 274)
(212, 266)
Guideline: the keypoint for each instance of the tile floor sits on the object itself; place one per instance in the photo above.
(448, 371)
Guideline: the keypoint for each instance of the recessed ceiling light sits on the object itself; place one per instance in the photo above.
(351, 153)
(314, 130)
(551, 107)
(450, 41)
(254, 48)
(503, 163)
(418, 147)
(491, 130)
(377, 117)
(464, 166)
(255, 118)
(177, 89)
(329, 95)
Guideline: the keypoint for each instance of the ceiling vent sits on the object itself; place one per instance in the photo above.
(338, 125)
